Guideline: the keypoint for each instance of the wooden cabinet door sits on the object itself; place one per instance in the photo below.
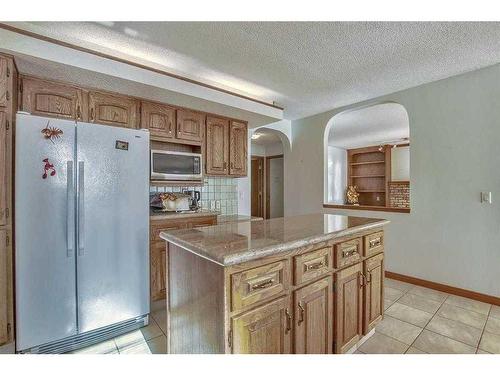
(190, 126)
(47, 98)
(158, 260)
(6, 307)
(238, 154)
(5, 79)
(217, 154)
(313, 318)
(264, 330)
(113, 110)
(373, 292)
(348, 307)
(159, 119)
(5, 161)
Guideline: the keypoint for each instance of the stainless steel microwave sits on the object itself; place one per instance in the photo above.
(175, 165)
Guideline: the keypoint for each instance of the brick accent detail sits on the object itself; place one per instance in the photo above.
(399, 194)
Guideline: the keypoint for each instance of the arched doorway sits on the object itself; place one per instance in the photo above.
(368, 149)
(267, 173)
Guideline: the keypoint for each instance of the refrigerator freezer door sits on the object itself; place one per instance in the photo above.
(113, 214)
(45, 243)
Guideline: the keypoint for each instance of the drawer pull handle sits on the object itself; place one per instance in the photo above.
(263, 285)
(368, 277)
(301, 313)
(375, 242)
(362, 280)
(288, 320)
(349, 252)
(315, 266)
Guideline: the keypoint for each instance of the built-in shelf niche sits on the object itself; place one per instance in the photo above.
(369, 170)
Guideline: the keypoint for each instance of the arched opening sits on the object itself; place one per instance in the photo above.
(367, 159)
(268, 151)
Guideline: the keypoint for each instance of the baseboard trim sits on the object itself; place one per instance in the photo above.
(444, 288)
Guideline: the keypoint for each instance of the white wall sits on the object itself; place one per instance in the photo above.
(276, 175)
(337, 174)
(400, 163)
(449, 237)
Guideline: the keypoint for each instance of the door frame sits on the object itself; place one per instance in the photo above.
(268, 183)
(261, 183)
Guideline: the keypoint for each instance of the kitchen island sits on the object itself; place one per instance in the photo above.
(301, 284)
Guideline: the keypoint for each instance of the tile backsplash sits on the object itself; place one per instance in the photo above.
(222, 191)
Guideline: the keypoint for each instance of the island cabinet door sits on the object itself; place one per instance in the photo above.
(374, 292)
(348, 307)
(313, 318)
(264, 330)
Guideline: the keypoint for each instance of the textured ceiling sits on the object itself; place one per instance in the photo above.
(369, 126)
(306, 67)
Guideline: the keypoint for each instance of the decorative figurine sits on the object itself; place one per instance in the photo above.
(51, 133)
(352, 195)
(48, 167)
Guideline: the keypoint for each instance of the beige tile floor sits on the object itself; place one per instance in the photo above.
(417, 321)
(420, 320)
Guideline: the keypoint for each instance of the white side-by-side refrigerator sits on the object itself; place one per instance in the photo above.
(81, 233)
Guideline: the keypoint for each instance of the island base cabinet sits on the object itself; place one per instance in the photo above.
(373, 292)
(348, 313)
(313, 306)
(264, 330)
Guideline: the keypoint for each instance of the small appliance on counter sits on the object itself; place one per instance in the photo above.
(195, 197)
(173, 202)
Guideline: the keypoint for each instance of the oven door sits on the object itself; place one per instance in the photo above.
(173, 165)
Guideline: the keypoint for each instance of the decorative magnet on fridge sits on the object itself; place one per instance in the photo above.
(48, 168)
(51, 133)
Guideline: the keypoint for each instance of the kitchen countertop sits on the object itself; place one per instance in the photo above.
(181, 215)
(239, 242)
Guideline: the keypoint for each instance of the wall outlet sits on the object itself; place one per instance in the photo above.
(217, 205)
(486, 197)
(212, 205)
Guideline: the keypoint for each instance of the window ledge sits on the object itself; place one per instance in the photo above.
(366, 208)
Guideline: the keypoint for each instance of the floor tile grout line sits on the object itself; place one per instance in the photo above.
(484, 329)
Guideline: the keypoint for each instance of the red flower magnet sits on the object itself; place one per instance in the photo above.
(48, 167)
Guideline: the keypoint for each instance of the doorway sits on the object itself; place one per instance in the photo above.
(257, 188)
(267, 176)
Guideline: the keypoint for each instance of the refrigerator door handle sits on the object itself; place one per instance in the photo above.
(81, 208)
(70, 227)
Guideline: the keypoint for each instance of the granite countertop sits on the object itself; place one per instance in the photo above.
(224, 219)
(159, 215)
(237, 242)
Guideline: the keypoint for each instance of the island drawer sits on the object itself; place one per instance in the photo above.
(258, 284)
(374, 244)
(310, 265)
(348, 252)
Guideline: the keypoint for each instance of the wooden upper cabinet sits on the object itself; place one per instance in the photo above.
(48, 98)
(5, 77)
(217, 153)
(190, 126)
(159, 119)
(110, 109)
(264, 330)
(313, 318)
(348, 307)
(374, 292)
(4, 169)
(238, 154)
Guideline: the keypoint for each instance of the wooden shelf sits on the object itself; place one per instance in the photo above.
(371, 191)
(368, 162)
(368, 176)
(366, 208)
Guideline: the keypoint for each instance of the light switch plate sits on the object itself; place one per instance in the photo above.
(486, 197)
(217, 205)
(212, 205)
